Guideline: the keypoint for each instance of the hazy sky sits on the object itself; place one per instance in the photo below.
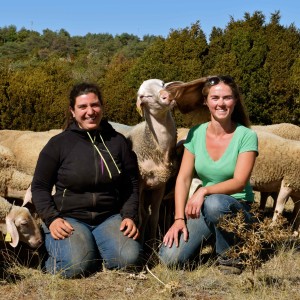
(138, 17)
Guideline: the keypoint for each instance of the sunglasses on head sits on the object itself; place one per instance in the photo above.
(217, 79)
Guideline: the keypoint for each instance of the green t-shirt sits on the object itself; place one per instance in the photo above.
(212, 172)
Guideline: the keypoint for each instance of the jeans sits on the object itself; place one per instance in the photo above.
(200, 229)
(84, 251)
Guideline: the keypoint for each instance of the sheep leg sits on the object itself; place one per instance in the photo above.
(296, 217)
(150, 214)
(283, 195)
(264, 197)
(263, 200)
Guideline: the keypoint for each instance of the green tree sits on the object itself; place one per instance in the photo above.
(35, 98)
(119, 95)
(284, 49)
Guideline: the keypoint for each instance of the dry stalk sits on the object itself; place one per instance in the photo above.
(253, 238)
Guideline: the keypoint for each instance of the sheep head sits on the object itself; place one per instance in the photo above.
(21, 226)
(153, 95)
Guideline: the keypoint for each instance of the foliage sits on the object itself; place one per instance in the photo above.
(34, 97)
(37, 70)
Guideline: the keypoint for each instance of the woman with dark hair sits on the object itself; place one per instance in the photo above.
(222, 152)
(92, 216)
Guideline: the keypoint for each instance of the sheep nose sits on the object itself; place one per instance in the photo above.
(37, 243)
(164, 95)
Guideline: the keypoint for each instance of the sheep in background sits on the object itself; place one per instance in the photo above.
(154, 142)
(284, 130)
(18, 223)
(13, 183)
(26, 146)
(277, 168)
(7, 162)
(19, 151)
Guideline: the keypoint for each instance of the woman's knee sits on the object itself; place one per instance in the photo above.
(74, 256)
(171, 257)
(79, 267)
(126, 255)
(214, 206)
(117, 250)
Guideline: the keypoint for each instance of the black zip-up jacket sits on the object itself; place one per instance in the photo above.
(88, 185)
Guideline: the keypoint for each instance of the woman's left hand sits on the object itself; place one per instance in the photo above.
(129, 228)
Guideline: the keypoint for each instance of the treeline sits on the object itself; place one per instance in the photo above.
(38, 70)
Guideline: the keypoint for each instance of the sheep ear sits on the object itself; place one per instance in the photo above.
(139, 107)
(188, 95)
(28, 196)
(12, 230)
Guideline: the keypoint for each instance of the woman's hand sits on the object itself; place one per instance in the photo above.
(129, 228)
(193, 206)
(172, 236)
(60, 229)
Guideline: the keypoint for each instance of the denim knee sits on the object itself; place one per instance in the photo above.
(128, 256)
(214, 207)
(118, 251)
(72, 257)
(172, 257)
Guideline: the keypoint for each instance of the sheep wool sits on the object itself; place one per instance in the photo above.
(285, 130)
(5, 208)
(7, 158)
(278, 159)
(162, 166)
(26, 146)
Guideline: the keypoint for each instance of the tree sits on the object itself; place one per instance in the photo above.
(35, 97)
(119, 95)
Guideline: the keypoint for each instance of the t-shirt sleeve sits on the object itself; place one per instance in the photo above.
(190, 140)
(249, 142)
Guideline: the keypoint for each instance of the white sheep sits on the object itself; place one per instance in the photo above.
(19, 152)
(277, 169)
(26, 146)
(284, 130)
(18, 224)
(13, 183)
(154, 142)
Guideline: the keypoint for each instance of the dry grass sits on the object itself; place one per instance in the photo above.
(276, 277)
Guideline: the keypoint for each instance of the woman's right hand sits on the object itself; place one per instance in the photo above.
(172, 236)
(60, 229)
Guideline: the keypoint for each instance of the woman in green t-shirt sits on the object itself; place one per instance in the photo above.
(222, 152)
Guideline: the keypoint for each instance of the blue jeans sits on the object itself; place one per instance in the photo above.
(84, 251)
(200, 229)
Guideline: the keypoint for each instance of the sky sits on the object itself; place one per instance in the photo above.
(138, 17)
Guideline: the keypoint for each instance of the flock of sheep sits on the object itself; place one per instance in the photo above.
(155, 141)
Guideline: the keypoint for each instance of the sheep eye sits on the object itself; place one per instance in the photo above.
(24, 223)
